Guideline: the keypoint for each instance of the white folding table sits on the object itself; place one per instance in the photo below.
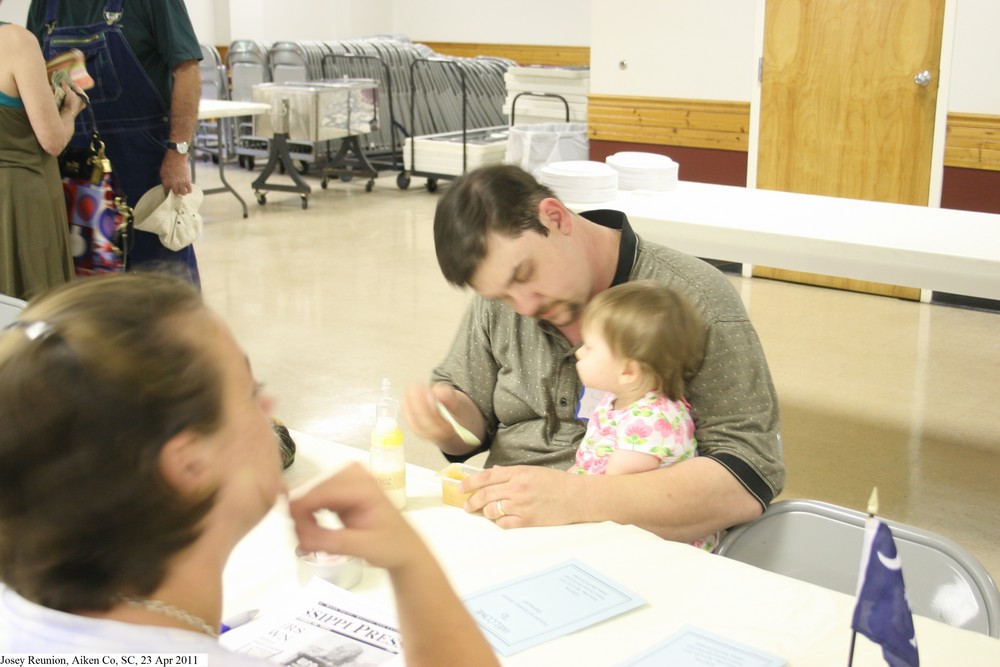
(804, 623)
(934, 249)
(222, 109)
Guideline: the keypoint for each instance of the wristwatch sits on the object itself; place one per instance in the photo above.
(180, 146)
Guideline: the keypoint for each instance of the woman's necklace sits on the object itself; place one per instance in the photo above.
(170, 610)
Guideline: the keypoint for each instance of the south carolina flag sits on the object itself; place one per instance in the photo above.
(883, 614)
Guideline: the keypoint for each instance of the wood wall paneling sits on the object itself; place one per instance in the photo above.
(522, 54)
(669, 122)
(880, 289)
(973, 142)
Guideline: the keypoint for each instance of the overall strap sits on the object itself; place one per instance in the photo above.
(113, 11)
(51, 10)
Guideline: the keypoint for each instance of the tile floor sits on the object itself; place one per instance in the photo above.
(875, 391)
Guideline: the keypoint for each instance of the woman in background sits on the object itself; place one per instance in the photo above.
(136, 452)
(34, 229)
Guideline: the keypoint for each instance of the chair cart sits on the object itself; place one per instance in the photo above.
(448, 85)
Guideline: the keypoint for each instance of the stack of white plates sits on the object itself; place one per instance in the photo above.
(644, 171)
(580, 181)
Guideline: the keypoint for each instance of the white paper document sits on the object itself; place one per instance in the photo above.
(323, 625)
(538, 607)
(694, 647)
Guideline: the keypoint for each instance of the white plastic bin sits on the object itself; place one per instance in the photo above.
(537, 144)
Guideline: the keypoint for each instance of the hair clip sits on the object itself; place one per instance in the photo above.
(37, 330)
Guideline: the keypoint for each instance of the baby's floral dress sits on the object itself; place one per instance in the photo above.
(654, 425)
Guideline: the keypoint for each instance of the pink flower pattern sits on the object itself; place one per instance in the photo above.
(653, 425)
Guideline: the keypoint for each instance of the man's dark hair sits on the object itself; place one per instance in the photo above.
(499, 198)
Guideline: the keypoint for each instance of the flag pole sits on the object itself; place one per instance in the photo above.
(872, 511)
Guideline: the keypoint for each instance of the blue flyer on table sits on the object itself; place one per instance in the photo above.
(538, 607)
(694, 647)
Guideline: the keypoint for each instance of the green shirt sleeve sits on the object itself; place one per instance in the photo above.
(176, 41)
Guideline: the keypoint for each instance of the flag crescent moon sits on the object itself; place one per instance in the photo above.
(890, 563)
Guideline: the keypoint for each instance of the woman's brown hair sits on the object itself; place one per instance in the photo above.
(95, 378)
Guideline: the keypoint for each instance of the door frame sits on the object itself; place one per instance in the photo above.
(940, 112)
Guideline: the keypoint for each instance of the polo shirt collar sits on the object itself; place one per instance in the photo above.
(628, 246)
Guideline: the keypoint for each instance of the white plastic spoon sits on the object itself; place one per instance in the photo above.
(467, 436)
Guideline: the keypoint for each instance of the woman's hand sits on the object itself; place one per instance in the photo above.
(75, 99)
(373, 529)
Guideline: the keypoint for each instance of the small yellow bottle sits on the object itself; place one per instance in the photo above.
(387, 459)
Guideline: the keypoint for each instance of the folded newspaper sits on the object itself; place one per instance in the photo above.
(323, 625)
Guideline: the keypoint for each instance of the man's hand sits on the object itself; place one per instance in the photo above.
(528, 495)
(175, 173)
(683, 502)
(426, 422)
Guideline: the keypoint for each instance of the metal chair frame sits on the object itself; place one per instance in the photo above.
(821, 543)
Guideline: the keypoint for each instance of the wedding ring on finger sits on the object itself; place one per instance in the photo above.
(500, 509)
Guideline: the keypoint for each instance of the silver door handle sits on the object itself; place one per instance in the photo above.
(923, 78)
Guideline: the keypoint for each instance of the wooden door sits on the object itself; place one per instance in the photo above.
(840, 112)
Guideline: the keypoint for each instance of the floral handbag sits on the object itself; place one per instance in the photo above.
(100, 221)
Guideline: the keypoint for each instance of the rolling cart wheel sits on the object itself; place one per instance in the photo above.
(305, 202)
(215, 159)
(242, 161)
(250, 163)
(369, 185)
(403, 180)
(261, 198)
(302, 167)
(432, 185)
(324, 182)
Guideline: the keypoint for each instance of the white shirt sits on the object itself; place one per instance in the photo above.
(26, 627)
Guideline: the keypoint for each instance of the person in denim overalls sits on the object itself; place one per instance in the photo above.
(133, 119)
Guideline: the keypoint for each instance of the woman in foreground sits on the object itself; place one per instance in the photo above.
(136, 451)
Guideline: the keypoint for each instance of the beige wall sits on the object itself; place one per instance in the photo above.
(513, 21)
(679, 49)
(674, 48)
